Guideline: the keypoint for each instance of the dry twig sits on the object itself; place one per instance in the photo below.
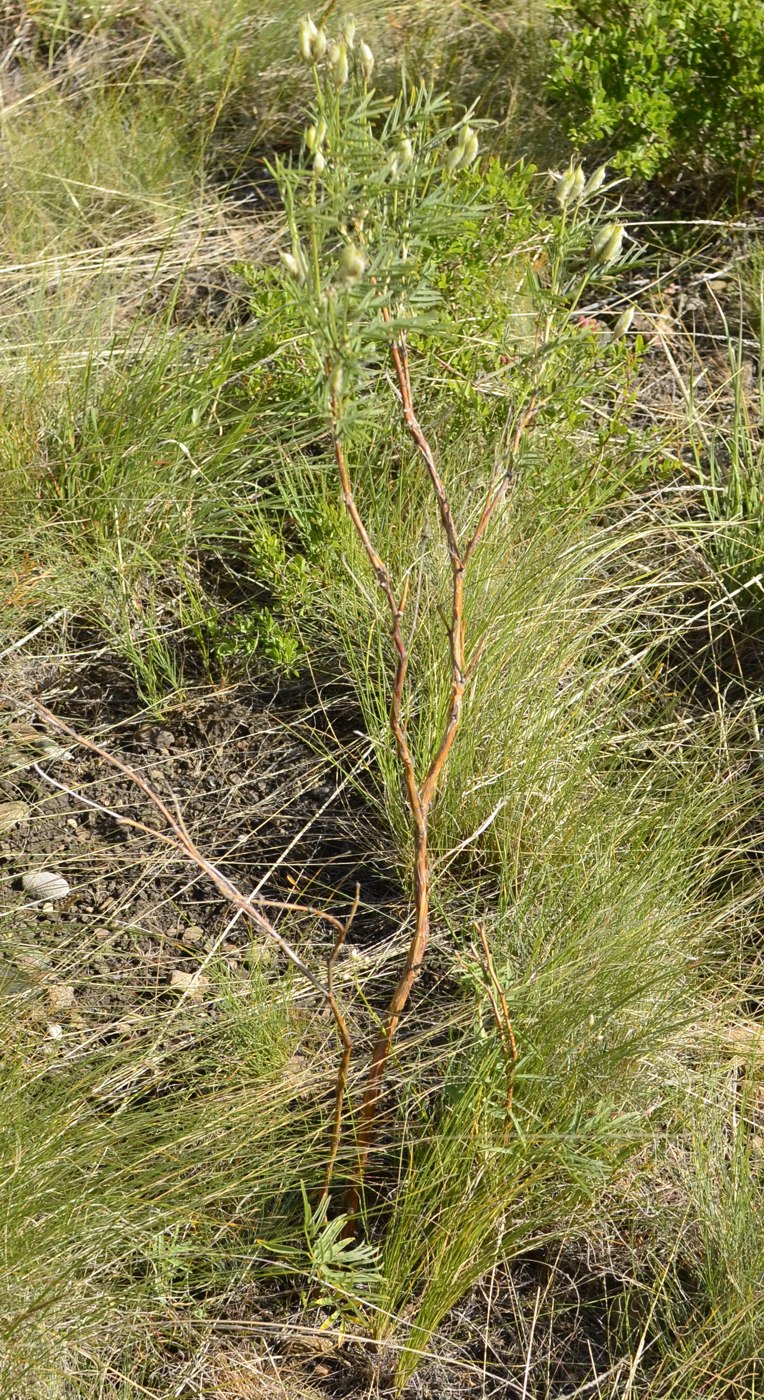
(183, 842)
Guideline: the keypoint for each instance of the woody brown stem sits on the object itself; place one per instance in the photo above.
(419, 795)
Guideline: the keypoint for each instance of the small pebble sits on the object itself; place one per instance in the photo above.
(12, 814)
(61, 998)
(189, 982)
(72, 821)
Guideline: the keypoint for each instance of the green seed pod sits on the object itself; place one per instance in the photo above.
(366, 58)
(352, 263)
(315, 136)
(455, 156)
(612, 250)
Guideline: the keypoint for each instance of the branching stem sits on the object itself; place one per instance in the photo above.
(419, 793)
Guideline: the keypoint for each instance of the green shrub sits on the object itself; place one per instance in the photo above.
(666, 85)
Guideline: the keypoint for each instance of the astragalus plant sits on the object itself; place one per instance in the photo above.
(443, 389)
(377, 194)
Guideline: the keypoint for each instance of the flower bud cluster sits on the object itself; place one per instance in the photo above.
(608, 244)
(312, 41)
(573, 186)
(314, 45)
(314, 140)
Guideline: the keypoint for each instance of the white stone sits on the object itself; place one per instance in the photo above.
(45, 884)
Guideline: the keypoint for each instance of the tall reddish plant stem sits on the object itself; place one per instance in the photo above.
(419, 793)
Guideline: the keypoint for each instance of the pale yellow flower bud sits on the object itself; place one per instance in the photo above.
(623, 324)
(465, 151)
(405, 152)
(307, 35)
(319, 163)
(318, 46)
(471, 148)
(338, 61)
(352, 263)
(403, 157)
(595, 182)
(366, 58)
(565, 186)
(349, 32)
(579, 184)
(292, 265)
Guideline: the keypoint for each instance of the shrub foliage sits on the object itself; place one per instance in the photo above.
(666, 85)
